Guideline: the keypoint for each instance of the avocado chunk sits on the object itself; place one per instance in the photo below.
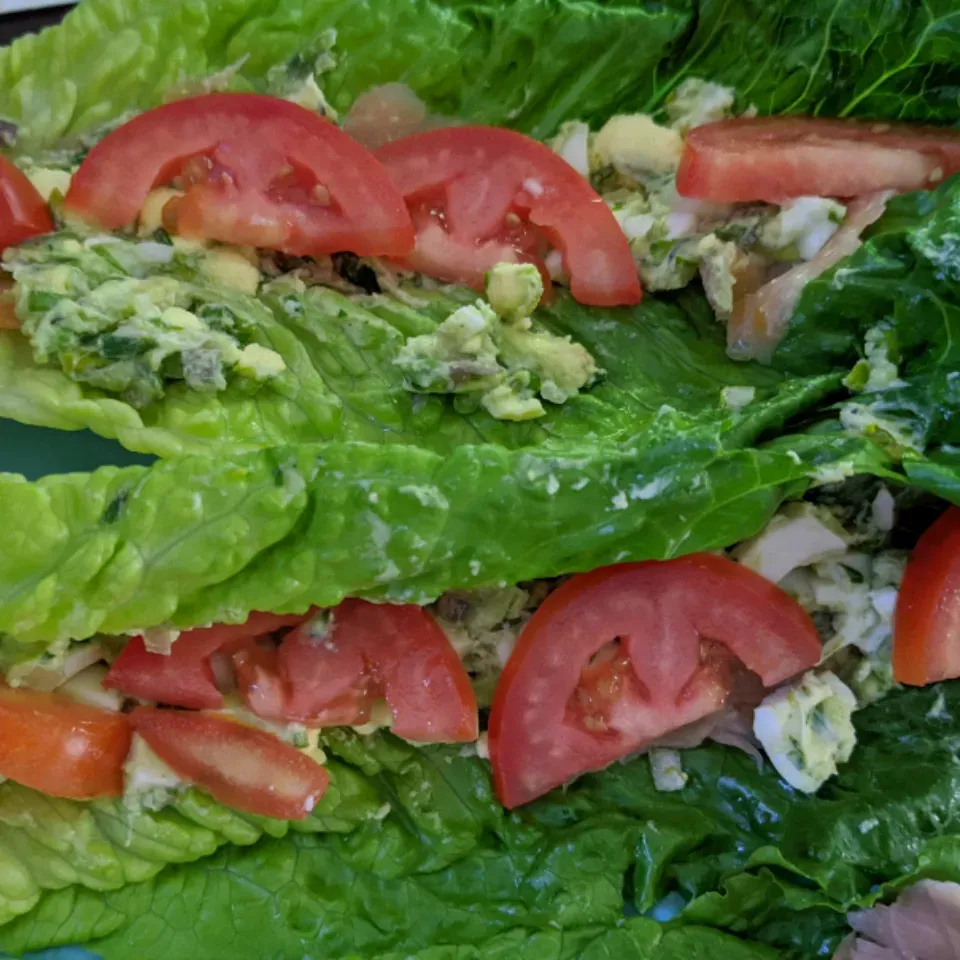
(514, 290)
(474, 351)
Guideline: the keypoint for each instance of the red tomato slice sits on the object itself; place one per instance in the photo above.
(455, 260)
(243, 768)
(257, 671)
(477, 180)
(23, 212)
(926, 626)
(266, 157)
(572, 700)
(774, 158)
(369, 651)
(184, 678)
(60, 747)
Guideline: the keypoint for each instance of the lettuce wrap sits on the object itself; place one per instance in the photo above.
(508, 66)
(409, 852)
(333, 481)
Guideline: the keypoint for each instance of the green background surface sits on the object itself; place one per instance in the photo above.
(35, 451)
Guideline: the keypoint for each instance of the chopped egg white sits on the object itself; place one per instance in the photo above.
(806, 223)
(736, 398)
(883, 510)
(87, 687)
(161, 639)
(667, 770)
(638, 225)
(798, 536)
(148, 781)
(48, 673)
(573, 144)
(680, 224)
(259, 362)
(806, 729)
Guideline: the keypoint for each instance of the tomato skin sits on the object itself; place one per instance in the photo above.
(372, 650)
(480, 175)
(926, 623)
(60, 747)
(23, 212)
(242, 767)
(253, 142)
(770, 159)
(546, 728)
(184, 678)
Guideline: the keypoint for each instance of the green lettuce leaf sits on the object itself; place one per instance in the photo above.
(497, 63)
(447, 869)
(888, 820)
(904, 278)
(483, 61)
(200, 540)
(834, 58)
(341, 382)
(401, 811)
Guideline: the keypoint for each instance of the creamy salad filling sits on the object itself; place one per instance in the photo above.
(752, 260)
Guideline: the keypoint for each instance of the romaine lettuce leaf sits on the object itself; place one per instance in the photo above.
(905, 278)
(484, 61)
(341, 382)
(741, 849)
(832, 58)
(501, 63)
(401, 811)
(198, 540)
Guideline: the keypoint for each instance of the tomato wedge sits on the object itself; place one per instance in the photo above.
(61, 747)
(616, 658)
(333, 674)
(243, 768)
(476, 183)
(23, 212)
(926, 624)
(774, 158)
(184, 677)
(254, 164)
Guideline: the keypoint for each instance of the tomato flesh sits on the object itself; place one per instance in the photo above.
(184, 677)
(926, 626)
(770, 159)
(477, 183)
(616, 658)
(60, 747)
(265, 157)
(334, 673)
(243, 768)
(23, 212)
